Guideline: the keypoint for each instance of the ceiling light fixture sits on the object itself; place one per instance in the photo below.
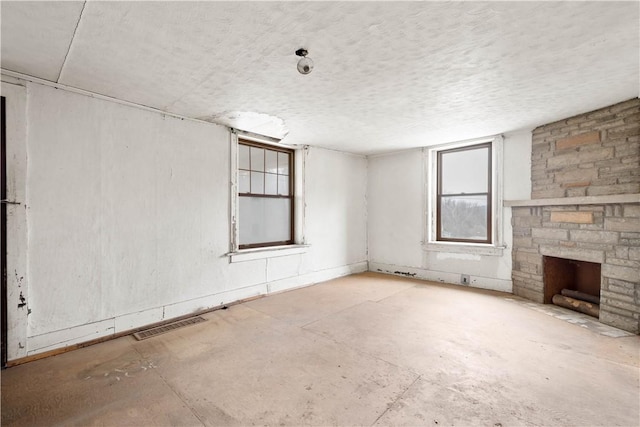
(305, 65)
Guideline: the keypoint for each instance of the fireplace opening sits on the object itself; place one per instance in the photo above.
(572, 284)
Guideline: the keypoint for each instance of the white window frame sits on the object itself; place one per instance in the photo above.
(236, 254)
(430, 179)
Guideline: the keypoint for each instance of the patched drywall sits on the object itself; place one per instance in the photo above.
(397, 200)
(128, 220)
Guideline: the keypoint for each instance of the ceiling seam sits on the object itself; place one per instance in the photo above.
(71, 42)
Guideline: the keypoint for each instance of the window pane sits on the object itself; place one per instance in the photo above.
(257, 159)
(465, 171)
(464, 217)
(243, 157)
(271, 160)
(257, 183)
(264, 220)
(283, 185)
(243, 182)
(270, 183)
(283, 163)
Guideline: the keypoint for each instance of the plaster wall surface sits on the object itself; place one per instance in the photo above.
(397, 200)
(128, 220)
(517, 166)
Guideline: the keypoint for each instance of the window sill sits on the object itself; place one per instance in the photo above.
(464, 248)
(268, 252)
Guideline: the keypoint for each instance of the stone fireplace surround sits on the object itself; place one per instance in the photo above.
(585, 206)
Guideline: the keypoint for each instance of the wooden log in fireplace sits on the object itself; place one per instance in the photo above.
(582, 296)
(577, 305)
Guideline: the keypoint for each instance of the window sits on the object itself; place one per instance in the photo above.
(265, 193)
(463, 194)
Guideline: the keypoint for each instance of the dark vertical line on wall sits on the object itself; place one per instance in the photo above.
(71, 42)
(3, 225)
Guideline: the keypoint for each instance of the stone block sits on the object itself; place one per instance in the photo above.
(608, 190)
(628, 179)
(547, 194)
(632, 211)
(628, 274)
(604, 114)
(623, 132)
(572, 217)
(519, 242)
(622, 322)
(622, 252)
(621, 290)
(520, 275)
(535, 296)
(530, 258)
(574, 158)
(619, 311)
(576, 192)
(634, 254)
(527, 221)
(623, 302)
(627, 149)
(618, 300)
(576, 184)
(608, 124)
(578, 140)
(622, 224)
(632, 118)
(623, 108)
(520, 211)
(549, 233)
(578, 254)
(591, 236)
(623, 262)
(629, 235)
(576, 176)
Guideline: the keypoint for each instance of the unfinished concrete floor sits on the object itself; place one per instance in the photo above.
(367, 349)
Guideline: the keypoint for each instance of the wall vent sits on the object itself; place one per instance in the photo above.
(152, 332)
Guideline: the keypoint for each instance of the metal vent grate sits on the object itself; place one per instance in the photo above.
(152, 332)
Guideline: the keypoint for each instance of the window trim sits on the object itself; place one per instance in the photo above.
(429, 242)
(290, 196)
(488, 194)
(301, 152)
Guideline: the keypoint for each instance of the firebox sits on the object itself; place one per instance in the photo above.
(561, 273)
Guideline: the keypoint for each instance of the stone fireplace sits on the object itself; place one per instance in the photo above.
(581, 228)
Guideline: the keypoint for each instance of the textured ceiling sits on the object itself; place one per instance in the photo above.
(388, 75)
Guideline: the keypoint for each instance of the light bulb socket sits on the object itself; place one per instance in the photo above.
(305, 65)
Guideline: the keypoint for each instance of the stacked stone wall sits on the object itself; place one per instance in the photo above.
(592, 154)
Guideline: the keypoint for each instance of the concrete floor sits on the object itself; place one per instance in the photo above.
(361, 350)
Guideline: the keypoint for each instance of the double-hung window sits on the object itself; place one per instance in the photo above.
(265, 195)
(464, 194)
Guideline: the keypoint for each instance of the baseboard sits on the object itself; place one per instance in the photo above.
(480, 282)
(316, 277)
(56, 342)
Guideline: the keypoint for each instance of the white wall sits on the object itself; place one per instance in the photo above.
(125, 219)
(396, 199)
(128, 220)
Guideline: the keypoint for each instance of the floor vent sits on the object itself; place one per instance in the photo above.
(152, 332)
